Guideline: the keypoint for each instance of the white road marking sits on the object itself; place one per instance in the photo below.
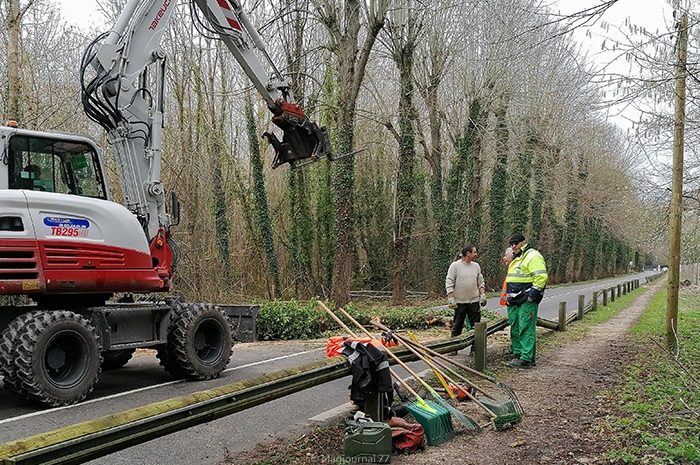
(147, 388)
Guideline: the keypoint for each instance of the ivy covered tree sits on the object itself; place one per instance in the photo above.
(264, 221)
(498, 235)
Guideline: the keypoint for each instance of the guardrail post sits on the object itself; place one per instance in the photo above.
(479, 346)
(594, 301)
(619, 290)
(562, 316)
(605, 297)
(581, 305)
(624, 288)
(612, 294)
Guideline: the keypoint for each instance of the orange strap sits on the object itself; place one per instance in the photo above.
(503, 302)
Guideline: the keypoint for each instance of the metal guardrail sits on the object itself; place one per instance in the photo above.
(96, 438)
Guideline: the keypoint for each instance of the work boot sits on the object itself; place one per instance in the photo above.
(512, 355)
(520, 363)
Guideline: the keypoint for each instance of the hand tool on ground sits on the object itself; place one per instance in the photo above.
(505, 416)
(459, 415)
(435, 421)
(507, 390)
(438, 375)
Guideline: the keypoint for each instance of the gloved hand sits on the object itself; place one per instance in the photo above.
(534, 295)
(451, 302)
(482, 300)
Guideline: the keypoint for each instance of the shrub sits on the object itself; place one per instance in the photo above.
(302, 320)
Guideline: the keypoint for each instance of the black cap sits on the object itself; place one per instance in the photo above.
(516, 238)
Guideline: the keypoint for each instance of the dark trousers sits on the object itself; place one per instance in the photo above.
(462, 312)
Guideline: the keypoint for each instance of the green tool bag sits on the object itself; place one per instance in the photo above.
(367, 442)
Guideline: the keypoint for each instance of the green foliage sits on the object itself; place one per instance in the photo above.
(459, 186)
(302, 320)
(408, 180)
(570, 233)
(302, 232)
(519, 211)
(222, 224)
(260, 194)
(659, 401)
(290, 320)
(498, 235)
(395, 317)
(373, 212)
(537, 201)
(321, 179)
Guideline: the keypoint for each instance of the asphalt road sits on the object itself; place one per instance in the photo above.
(142, 381)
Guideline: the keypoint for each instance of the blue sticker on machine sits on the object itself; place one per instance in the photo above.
(65, 222)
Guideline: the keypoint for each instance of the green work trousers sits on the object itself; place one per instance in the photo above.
(523, 327)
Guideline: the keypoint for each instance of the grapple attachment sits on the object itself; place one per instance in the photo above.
(303, 141)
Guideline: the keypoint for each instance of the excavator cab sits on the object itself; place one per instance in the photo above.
(303, 141)
(51, 162)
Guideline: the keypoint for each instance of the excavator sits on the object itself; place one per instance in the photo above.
(70, 251)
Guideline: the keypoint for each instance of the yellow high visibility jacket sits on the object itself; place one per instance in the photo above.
(527, 270)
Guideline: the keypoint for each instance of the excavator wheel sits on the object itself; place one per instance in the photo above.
(8, 344)
(115, 359)
(199, 342)
(57, 358)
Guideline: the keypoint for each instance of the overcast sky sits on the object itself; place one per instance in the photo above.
(651, 14)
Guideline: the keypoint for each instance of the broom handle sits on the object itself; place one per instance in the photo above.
(393, 355)
(408, 343)
(442, 357)
(429, 361)
(351, 333)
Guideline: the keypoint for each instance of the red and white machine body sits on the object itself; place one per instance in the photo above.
(53, 241)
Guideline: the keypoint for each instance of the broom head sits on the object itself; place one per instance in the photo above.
(437, 426)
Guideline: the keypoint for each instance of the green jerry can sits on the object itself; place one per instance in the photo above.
(367, 442)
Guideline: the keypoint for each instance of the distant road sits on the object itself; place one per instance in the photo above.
(549, 307)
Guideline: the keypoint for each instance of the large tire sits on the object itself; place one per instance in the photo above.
(8, 348)
(58, 358)
(199, 341)
(115, 359)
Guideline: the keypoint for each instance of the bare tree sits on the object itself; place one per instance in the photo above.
(343, 21)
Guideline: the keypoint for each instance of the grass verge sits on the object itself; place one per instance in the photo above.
(658, 416)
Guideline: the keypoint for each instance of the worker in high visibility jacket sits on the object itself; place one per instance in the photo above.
(525, 284)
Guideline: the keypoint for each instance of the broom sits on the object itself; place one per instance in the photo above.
(500, 420)
(459, 415)
(435, 421)
(507, 390)
(436, 372)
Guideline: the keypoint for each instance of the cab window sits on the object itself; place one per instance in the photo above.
(43, 164)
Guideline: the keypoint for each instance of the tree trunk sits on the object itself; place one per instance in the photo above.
(406, 178)
(14, 30)
(263, 215)
(352, 61)
(497, 199)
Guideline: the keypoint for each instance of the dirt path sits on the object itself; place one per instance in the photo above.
(561, 398)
